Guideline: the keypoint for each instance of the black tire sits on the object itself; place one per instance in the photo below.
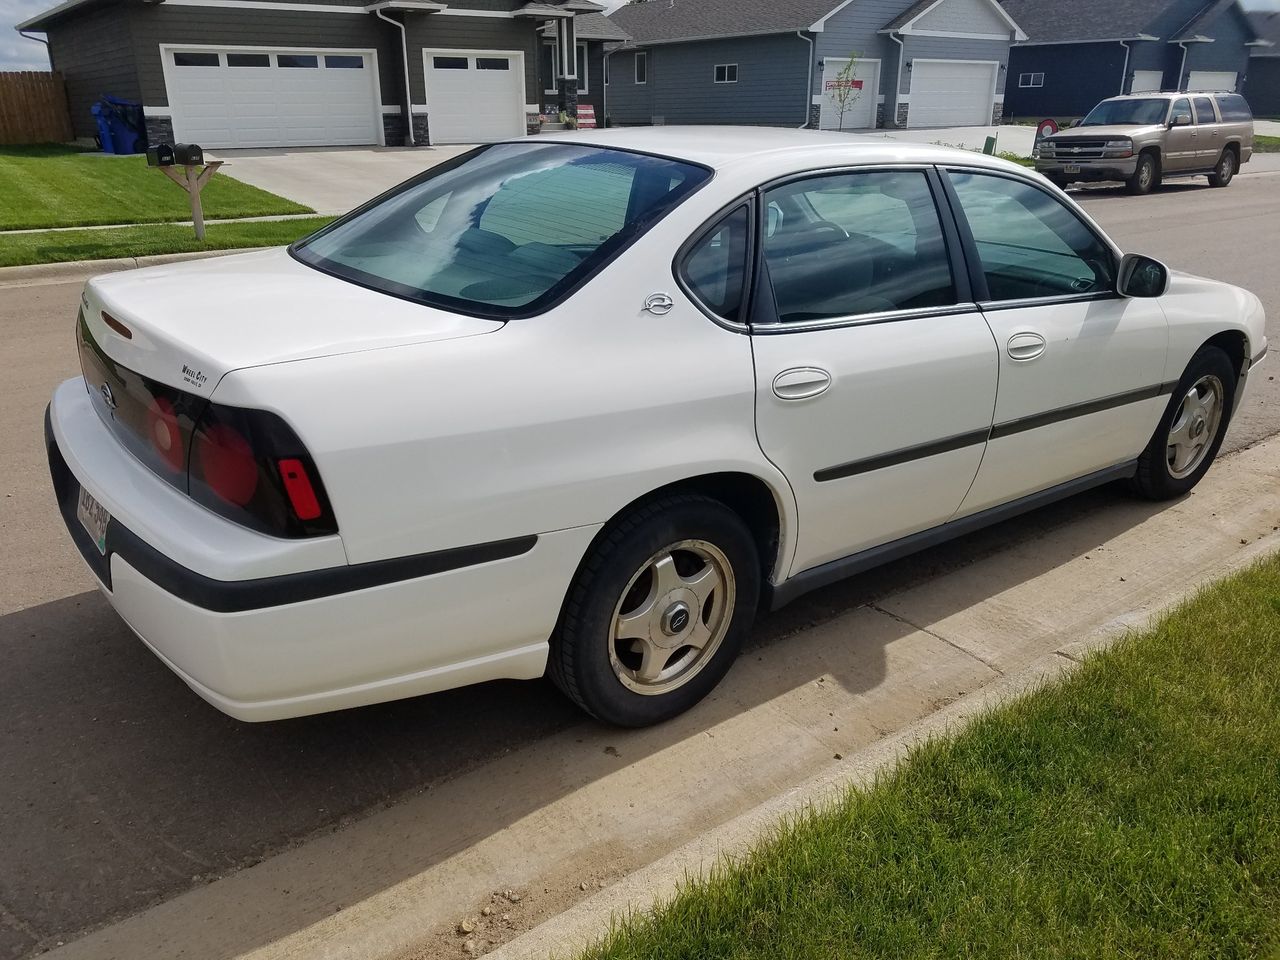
(1225, 171)
(1146, 176)
(580, 663)
(1155, 479)
(1060, 182)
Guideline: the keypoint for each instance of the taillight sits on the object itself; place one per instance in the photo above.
(250, 467)
(164, 433)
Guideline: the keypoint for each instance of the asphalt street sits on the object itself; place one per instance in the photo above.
(119, 788)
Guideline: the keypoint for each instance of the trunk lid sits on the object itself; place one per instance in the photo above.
(188, 324)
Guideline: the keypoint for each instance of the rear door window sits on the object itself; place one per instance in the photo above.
(1234, 108)
(715, 268)
(1204, 110)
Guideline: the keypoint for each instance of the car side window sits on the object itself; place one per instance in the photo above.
(1234, 108)
(1204, 110)
(1180, 106)
(1030, 243)
(842, 245)
(715, 267)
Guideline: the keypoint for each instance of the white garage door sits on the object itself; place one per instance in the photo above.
(1147, 81)
(1211, 80)
(273, 98)
(861, 88)
(474, 97)
(951, 93)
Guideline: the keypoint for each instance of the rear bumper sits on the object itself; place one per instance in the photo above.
(309, 641)
(1091, 171)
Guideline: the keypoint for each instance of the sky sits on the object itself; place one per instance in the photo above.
(17, 53)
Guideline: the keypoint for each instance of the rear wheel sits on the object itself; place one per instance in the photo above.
(1145, 176)
(658, 611)
(1225, 171)
(1192, 428)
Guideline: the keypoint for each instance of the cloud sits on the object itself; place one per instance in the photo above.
(17, 52)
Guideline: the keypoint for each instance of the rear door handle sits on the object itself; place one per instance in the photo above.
(1026, 346)
(801, 383)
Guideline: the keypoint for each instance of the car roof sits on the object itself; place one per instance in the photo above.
(724, 147)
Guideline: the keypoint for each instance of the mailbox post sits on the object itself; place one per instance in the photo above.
(166, 157)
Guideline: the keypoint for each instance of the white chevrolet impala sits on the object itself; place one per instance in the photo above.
(585, 404)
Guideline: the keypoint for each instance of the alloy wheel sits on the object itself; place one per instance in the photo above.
(1194, 427)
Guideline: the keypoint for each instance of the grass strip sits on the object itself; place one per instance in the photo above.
(1263, 144)
(1132, 810)
(57, 247)
(57, 186)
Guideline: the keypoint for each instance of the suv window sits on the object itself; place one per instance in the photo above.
(1234, 108)
(1204, 110)
(715, 268)
(1140, 111)
(1182, 105)
(503, 230)
(849, 244)
(1031, 244)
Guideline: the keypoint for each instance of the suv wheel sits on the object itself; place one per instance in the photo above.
(658, 611)
(1225, 171)
(1146, 176)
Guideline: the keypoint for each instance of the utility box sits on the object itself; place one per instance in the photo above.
(188, 155)
(160, 155)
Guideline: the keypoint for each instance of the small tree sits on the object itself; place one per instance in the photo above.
(845, 90)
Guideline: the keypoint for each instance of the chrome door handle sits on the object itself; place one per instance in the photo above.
(801, 383)
(1026, 346)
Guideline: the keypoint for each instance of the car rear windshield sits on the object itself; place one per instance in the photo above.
(503, 231)
(1140, 112)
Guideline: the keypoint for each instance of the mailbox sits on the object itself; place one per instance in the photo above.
(160, 155)
(187, 155)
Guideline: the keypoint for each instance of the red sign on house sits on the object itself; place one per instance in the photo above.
(844, 85)
(586, 116)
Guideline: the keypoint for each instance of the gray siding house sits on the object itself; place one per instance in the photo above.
(1262, 87)
(931, 63)
(263, 73)
(1079, 53)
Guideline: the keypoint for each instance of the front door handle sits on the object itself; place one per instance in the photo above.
(801, 383)
(1026, 346)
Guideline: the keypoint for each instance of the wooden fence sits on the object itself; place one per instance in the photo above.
(33, 108)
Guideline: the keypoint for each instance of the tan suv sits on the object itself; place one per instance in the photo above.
(1144, 138)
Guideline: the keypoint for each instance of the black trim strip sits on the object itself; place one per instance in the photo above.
(1080, 410)
(896, 457)
(783, 593)
(235, 596)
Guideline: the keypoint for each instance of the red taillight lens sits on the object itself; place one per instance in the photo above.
(297, 484)
(164, 435)
(226, 463)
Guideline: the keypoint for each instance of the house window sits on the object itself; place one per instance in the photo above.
(642, 68)
(450, 63)
(551, 57)
(195, 60)
(296, 60)
(606, 71)
(1031, 79)
(344, 62)
(726, 73)
(248, 60)
(493, 63)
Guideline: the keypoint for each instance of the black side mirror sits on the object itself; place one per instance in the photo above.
(1141, 276)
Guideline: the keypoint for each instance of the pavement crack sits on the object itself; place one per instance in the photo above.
(937, 636)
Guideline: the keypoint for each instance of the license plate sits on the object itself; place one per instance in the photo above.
(1071, 168)
(94, 518)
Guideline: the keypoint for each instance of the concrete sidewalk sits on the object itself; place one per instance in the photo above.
(564, 823)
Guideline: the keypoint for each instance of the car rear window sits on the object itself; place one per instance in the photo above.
(506, 230)
(1234, 107)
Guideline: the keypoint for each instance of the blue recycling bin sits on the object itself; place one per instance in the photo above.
(121, 128)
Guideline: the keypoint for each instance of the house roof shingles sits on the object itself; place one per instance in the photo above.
(1267, 26)
(657, 21)
(1053, 21)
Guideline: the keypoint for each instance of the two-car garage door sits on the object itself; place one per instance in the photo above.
(253, 97)
(952, 93)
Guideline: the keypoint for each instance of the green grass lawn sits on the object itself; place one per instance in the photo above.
(56, 186)
(1131, 811)
(1263, 144)
(63, 245)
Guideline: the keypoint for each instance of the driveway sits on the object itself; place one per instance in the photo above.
(120, 789)
(331, 180)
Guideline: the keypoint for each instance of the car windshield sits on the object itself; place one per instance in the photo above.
(1142, 112)
(505, 230)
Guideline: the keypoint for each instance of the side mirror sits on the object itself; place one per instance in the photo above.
(1074, 123)
(1181, 120)
(1141, 276)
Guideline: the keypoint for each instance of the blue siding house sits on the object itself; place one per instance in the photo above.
(1081, 52)
(915, 63)
(1262, 87)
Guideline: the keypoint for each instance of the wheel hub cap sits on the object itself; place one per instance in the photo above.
(1194, 426)
(676, 620)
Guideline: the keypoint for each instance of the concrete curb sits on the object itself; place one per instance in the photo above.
(642, 891)
(81, 270)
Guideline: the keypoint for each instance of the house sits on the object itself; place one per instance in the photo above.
(266, 73)
(1082, 52)
(930, 63)
(1262, 87)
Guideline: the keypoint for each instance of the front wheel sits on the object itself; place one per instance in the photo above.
(1145, 176)
(1225, 171)
(1192, 428)
(658, 611)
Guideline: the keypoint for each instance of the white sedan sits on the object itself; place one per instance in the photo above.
(585, 404)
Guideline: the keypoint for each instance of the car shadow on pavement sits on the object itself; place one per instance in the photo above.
(120, 788)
